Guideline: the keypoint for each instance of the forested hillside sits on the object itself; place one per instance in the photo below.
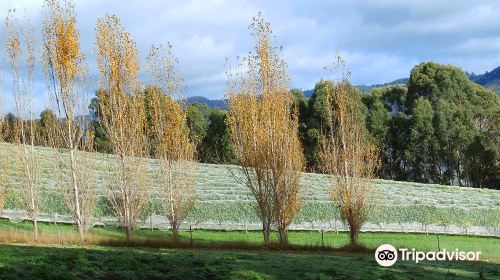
(490, 80)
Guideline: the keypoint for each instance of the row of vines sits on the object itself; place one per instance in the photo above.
(221, 198)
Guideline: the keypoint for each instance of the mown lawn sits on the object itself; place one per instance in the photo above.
(94, 262)
(57, 256)
(64, 234)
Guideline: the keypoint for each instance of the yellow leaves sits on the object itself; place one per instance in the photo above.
(117, 57)
(14, 47)
(264, 129)
(168, 118)
(162, 70)
(62, 56)
(12, 39)
(67, 48)
(122, 108)
(169, 127)
(131, 60)
(347, 154)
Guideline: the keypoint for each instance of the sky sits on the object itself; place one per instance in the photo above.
(381, 40)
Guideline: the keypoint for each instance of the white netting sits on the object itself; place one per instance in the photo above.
(223, 202)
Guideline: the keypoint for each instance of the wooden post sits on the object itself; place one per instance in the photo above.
(60, 235)
(191, 235)
(322, 240)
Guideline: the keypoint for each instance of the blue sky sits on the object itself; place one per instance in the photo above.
(381, 40)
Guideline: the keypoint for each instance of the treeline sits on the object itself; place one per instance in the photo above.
(441, 128)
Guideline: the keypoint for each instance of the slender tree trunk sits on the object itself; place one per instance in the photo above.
(126, 203)
(35, 211)
(81, 233)
(76, 192)
(283, 235)
(353, 235)
(266, 230)
(35, 228)
(175, 232)
(128, 231)
(171, 196)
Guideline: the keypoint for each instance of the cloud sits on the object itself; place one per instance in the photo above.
(381, 39)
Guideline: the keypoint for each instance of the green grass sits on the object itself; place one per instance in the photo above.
(58, 262)
(489, 246)
(205, 261)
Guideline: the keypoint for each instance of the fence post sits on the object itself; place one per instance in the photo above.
(191, 235)
(439, 247)
(322, 240)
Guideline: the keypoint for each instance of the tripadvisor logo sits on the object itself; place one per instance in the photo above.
(387, 255)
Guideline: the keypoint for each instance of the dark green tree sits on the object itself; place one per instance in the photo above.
(10, 133)
(421, 141)
(216, 146)
(313, 127)
(47, 128)
(482, 163)
(198, 120)
(101, 141)
(387, 123)
(378, 123)
(463, 111)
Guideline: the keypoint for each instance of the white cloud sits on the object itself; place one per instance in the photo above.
(381, 39)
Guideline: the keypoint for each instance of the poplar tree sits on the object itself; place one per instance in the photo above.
(65, 69)
(264, 132)
(19, 45)
(347, 153)
(122, 115)
(170, 133)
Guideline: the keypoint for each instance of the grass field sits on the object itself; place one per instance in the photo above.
(66, 234)
(58, 257)
(97, 262)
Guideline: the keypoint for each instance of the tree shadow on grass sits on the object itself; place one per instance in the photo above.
(37, 262)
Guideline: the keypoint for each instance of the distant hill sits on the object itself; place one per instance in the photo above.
(365, 88)
(402, 81)
(212, 103)
(489, 80)
(308, 93)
